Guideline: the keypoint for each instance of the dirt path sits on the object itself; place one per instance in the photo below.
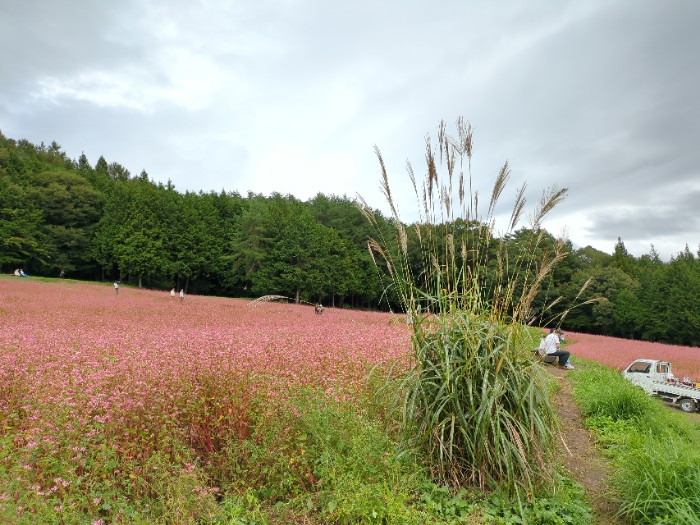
(579, 454)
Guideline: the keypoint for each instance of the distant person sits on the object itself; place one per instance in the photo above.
(318, 309)
(62, 274)
(116, 287)
(172, 293)
(182, 294)
(16, 272)
(552, 347)
(22, 274)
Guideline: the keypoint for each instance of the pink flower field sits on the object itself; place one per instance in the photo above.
(104, 396)
(619, 353)
(79, 348)
(87, 375)
(102, 357)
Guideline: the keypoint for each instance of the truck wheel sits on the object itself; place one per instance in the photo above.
(687, 405)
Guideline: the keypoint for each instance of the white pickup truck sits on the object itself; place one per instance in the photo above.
(655, 378)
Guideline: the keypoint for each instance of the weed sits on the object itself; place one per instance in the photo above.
(567, 507)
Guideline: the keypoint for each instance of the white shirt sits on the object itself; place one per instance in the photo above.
(551, 343)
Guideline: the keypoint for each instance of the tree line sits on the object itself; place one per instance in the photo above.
(101, 223)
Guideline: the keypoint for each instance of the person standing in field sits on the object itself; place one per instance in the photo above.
(116, 287)
(551, 347)
(182, 294)
(172, 293)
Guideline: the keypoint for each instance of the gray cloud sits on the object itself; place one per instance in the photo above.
(676, 217)
(269, 96)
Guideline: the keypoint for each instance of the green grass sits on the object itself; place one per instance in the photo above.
(314, 460)
(654, 449)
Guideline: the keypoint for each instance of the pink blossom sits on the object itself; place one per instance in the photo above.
(619, 353)
(84, 367)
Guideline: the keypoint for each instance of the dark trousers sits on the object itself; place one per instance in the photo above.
(563, 356)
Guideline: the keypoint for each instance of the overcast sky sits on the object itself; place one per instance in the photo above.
(597, 96)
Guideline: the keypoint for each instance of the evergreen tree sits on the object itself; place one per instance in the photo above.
(621, 258)
(20, 236)
(683, 290)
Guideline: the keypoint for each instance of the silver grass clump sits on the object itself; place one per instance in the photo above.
(475, 403)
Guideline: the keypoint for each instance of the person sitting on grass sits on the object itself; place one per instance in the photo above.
(552, 347)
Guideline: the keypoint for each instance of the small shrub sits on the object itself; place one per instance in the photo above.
(445, 504)
(243, 509)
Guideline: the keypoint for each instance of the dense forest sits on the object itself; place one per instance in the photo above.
(101, 223)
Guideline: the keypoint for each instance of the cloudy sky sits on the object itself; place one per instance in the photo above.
(597, 96)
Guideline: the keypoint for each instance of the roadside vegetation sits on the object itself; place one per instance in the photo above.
(654, 449)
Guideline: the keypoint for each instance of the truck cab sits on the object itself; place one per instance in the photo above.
(645, 372)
